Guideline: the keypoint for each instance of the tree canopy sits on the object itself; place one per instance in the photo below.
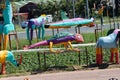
(55, 6)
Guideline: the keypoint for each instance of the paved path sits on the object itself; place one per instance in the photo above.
(101, 74)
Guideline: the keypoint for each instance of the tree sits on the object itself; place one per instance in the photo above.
(117, 5)
(80, 8)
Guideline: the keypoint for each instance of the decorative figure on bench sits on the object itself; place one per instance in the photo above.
(60, 38)
(35, 23)
(7, 26)
(109, 41)
(8, 56)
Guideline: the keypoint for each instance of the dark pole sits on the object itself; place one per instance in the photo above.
(116, 11)
(87, 9)
(73, 3)
(113, 4)
(67, 2)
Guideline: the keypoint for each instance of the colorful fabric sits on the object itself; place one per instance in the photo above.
(67, 23)
(31, 24)
(7, 56)
(72, 22)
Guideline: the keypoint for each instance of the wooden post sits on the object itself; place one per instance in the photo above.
(44, 60)
(38, 54)
(16, 38)
(86, 55)
(79, 60)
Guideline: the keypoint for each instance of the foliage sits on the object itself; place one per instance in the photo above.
(80, 8)
(67, 5)
(53, 7)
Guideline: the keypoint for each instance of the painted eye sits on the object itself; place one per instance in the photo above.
(78, 37)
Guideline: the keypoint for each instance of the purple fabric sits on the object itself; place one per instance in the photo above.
(37, 22)
(30, 23)
(55, 41)
(74, 19)
(62, 39)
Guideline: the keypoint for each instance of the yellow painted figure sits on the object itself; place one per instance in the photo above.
(8, 56)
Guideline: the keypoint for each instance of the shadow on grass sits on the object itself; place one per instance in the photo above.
(53, 69)
(78, 67)
(102, 66)
(71, 68)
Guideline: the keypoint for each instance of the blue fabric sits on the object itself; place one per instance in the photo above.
(7, 13)
(7, 16)
(8, 28)
(24, 24)
(1, 28)
(109, 41)
(10, 58)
